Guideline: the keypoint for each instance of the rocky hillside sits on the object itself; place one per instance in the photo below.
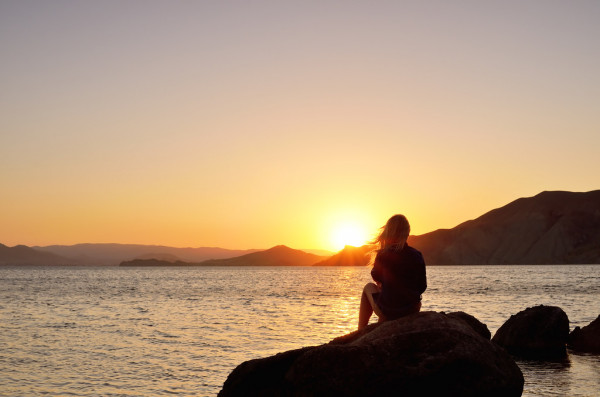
(277, 256)
(349, 256)
(550, 228)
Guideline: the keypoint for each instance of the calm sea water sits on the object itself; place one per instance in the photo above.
(180, 331)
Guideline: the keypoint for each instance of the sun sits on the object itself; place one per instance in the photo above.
(348, 233)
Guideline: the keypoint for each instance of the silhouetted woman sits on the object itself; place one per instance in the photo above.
(399, 274)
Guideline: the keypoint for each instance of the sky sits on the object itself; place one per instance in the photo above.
(248, 124)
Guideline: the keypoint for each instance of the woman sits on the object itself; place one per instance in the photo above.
(399, 274)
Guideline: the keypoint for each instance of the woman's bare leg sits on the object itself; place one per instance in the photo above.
(368, 305)
(365, 311)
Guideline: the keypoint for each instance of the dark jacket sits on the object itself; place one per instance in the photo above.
(402, 278)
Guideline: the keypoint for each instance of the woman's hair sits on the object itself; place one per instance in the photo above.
(394, 234)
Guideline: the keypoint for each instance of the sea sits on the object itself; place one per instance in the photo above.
(179, 331)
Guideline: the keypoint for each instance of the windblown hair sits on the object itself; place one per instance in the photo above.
(394, 234)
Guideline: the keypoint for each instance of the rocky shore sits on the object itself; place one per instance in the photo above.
(428, 353)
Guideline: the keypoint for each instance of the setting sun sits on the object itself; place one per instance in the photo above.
(348, 234)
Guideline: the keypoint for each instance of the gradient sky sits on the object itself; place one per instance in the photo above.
(247, 124)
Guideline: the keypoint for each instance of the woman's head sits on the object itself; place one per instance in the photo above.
(394, 233)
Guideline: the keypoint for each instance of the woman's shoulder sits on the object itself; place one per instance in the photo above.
(410, 249)
(407, 253)
(413, 253)
(388, 255)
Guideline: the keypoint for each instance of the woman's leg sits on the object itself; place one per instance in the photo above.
(368, 305)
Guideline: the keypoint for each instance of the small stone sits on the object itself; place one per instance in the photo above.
(586, 339)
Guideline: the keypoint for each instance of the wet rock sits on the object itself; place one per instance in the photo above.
(538, 333)
(474, 323)
(427, 353)
(586, 339)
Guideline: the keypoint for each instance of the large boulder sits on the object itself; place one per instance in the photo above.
(538, 333)
(427, 353)
(586, 339)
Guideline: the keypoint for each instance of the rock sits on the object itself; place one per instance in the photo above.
(426, 353)
(586, 339)
(474, 323)
(538, 333)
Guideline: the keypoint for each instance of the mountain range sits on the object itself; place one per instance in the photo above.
(113, 254)
(279, 255)
(555, 227)
(23, 255)
(550, 228)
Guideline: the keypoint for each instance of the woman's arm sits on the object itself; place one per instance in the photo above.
(377, 271)
(376, 274)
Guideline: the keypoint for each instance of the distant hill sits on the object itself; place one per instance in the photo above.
(277, 256)
(349, 256)
(155, 262)
(23, 255)
(159, 256)
(318, 252)
(550, 228)
(113, 254)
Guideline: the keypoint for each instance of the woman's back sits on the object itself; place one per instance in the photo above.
(402, 276)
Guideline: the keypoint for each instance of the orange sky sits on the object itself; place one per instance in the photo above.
(247, 126)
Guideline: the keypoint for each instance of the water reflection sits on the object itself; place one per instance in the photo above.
(146, 331)
(546, 378)
(577, 376)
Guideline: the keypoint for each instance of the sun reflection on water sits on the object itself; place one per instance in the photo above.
(146, 331)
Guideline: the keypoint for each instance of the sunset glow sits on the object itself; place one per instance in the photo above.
(244, 125)
(349, 234)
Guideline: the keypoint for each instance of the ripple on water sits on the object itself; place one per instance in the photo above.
(164, 331)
